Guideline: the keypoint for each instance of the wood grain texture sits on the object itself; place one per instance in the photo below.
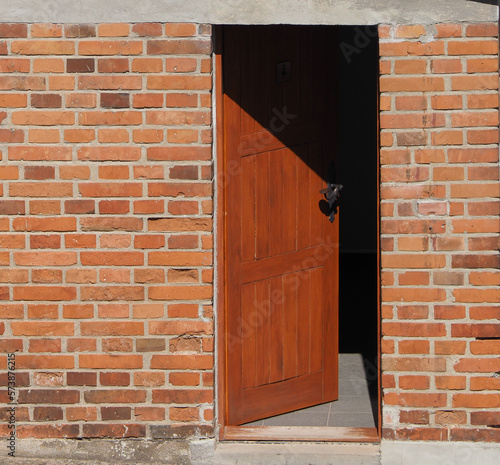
(281, 250)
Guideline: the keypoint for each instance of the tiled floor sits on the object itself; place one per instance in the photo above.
(354, 407)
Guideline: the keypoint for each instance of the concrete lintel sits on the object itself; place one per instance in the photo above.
(443, 453)
(358, 12)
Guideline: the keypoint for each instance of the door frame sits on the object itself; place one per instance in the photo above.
(266, 433)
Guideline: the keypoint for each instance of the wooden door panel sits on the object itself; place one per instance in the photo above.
(262, 205)
(282, 254)
(248, 233)
(276, 328)
(277, 320)
(277, 197)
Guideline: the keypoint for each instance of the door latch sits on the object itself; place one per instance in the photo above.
(331, 195)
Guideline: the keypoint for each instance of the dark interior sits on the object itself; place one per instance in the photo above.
(357, 133)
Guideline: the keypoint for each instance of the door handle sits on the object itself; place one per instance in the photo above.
(331, 193)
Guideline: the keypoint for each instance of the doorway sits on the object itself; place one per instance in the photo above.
(299, 115)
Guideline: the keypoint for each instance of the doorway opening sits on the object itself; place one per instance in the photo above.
(352, 135)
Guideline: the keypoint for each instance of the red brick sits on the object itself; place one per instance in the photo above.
(110, 189)
(117, 344)
(482, 30)
(47, 431)
(179, 47)
(446, 66)
(45, 258)
(180, 327)
(475, 435)
(45, 345)
(48, 65)
(412, 49)
(447, 102)
(110, 47)
(114, 431)
(482, 65)
(473, 47)
(43, 47)
(414, 417)
(113, 136)
(46, 30)
(184, 362)
(446, 417)
(113, 30)
(113, 65)
(411, 103)
(114, 379)
(183, 207)
(96, 361)
(148, 311)
(149, 206)
(116, 328)
(480, 383)
(484, 313)
(116, 413)
(114, 207)
(79, 30)
(410, 66)
(410, 399)
(109, 100)
(149, 100)
(41, 293)
(147, 136)
(182, 396)
(150, 345)
(485, 418)
(181, 65)
(149, 413)
(476, 400)
(449, 347)
(485, 347)
(13, 30)
(81, 345)
(477, 365)
(147, 29)
(414, 347)
(108, 118)
(475, 82)
(411, 121)
(414, 382)
(81, 414)
(119, 396)
(80, 65)
(111, 224)
(115, 241)
(482, 136)
(181, 100)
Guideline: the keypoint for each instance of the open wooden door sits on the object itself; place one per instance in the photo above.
(281, 249)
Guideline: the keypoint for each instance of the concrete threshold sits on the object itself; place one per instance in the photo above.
(297, 454)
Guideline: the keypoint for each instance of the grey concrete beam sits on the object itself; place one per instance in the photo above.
(443, 453)
(250, 11)
(97, 451)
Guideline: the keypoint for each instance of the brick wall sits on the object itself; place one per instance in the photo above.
(106, 228)
(439, 226)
